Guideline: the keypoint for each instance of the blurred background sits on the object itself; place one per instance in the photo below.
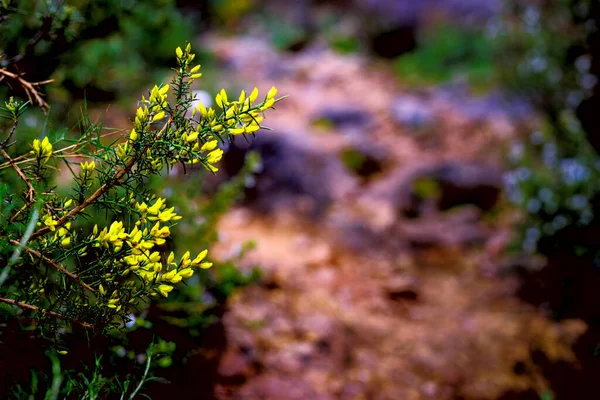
(422, 220)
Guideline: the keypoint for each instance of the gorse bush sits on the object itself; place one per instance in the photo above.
(92, 257)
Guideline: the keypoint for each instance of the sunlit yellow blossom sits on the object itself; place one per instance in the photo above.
(66, 242)
(253, 95)
(133, 135)
(42, 150)
(202, 109)
(171, 258)
(141, 207)
(158, 116)
(122, 150)
(179, 52)
(268, 104)
(159, 232)
(208, 146)
(158, 205)
(196, 261)
(272, 93)
(87, 167)
(186, 273)
(165, 289)
(214, 156)
(191, 137)
(206, 265)
(49, 222)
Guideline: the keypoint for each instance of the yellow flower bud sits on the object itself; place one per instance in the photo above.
(253, 95)
(272, 93)
(158, 116)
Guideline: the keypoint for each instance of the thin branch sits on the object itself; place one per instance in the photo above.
(12, 131)
(29, 87)
(54, 265)
(30, 190)
(30, 307)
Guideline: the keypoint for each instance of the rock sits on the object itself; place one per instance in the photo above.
(402, 288)
(453, 183)
(493, 105)
(392, 43)
(343, 117)
(468, 184)
(364, 161)
(412, 112)
(293, 176)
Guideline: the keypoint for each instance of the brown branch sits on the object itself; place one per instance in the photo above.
(31, 191)
(30, 307)
(54, 265)
(29, 87)
(10, 134)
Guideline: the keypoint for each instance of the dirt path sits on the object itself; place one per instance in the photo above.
(359, 302)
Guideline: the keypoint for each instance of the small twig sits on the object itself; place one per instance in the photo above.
(12, 131)
(31, 191)
(29, 87)
(143, 380)
(30, 307)
(54, 265)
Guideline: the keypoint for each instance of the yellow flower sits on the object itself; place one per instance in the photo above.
(88, 167)
(158, 116)
(42, 150)
(214, 156)
(165, 289)
(141, 207)
(66, 242)
(133, 135)
(179, 52)
(191, 137)
(208, 146)
(159, 232)
(158, 205)
(253, 95)
(186, 273)
(206, 265)
(272, 93)
(202, 109)
(122, 151)
(49, 222)
(196, 261)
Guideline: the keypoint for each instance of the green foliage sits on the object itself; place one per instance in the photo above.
(91, 382)
(556, 175)
(106, 48)
(448, 52)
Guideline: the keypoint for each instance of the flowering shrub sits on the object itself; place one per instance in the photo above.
(57, 271)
